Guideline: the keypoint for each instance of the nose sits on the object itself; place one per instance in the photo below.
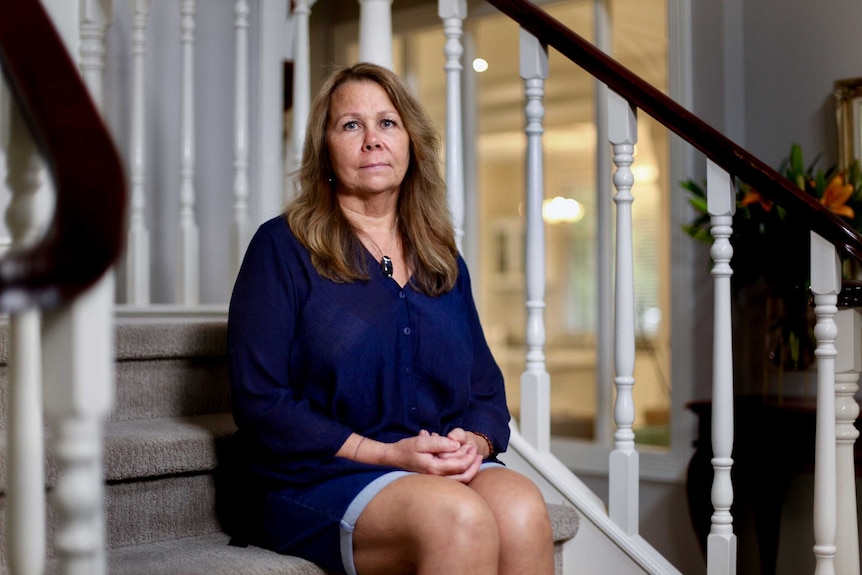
(371, 141)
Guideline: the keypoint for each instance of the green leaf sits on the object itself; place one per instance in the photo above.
(819, 185)
(699, 204)
(796, 160)
(694, 187)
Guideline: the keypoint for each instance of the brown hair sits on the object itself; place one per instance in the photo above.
(423, 219)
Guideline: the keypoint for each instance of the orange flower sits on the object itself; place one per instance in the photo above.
(752, 196)
(836, 194)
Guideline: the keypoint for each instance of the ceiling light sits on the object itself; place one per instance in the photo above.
(480, 65)
(559, 210)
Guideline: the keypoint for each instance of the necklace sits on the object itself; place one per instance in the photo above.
(385, 261)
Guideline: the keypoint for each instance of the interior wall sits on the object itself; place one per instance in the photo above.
(794, 51)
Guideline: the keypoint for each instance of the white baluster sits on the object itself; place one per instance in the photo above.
(453, 13)
(240, 228)
(95, 18)
(848, 365)
(603, 428)
(535, 422)
(188, 275)
(5, 106)
(375, 32)
(78, 369)
(825, 285)
(25, 492)
(301, 86)
(624, 463)
(721, 542)
(138, 248)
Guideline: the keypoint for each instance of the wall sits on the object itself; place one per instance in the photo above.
(794, 52)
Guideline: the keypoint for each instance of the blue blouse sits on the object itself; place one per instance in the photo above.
(312, 360)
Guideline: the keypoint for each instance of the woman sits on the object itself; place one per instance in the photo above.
(369, 408)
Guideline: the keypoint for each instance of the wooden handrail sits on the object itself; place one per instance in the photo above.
(85, 236)
(715, 146)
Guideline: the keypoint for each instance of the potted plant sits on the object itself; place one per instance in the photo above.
(771, 249)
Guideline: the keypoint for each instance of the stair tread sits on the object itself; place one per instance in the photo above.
(564, 521)
(152, 447)
(138, 339)
(204, 555)
(171, 445)
(211, 555)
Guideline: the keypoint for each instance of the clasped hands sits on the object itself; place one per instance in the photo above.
(456, 455)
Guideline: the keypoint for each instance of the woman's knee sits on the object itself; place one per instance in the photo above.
(517, 503)
(421, 517)
(461, 519)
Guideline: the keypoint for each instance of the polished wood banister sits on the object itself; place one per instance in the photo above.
(85, 235)
(715, 146)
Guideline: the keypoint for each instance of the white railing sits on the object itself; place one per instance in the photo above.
(254, 76)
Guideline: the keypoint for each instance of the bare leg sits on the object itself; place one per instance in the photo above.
(429, 526)
(526, 537)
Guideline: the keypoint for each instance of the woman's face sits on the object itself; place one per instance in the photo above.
(368, 145)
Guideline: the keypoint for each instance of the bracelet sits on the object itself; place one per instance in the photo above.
(356, 451)
(488, 441)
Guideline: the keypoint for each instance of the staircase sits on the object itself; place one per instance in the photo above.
(169, 428)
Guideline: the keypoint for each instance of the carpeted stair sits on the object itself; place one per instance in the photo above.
(162, 447)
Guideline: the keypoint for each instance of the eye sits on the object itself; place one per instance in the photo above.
(387, 123)
(351, 125)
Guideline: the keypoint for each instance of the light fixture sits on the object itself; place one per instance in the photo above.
(480, 65)
(562, 210)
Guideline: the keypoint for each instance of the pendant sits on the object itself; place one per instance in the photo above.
(386, 266)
